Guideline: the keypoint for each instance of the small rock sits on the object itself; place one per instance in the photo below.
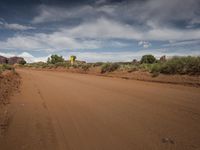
(167, 140)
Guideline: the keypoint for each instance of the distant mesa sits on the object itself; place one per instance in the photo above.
(11, 60)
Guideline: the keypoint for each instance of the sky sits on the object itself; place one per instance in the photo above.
(99, 30)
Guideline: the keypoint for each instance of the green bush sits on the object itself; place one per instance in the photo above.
(128, 67)
(55, 59)
(62, 64)
(22, 62)
(182, 65)
(145, 67)
(109, 67)
(178, 65)
(4, 67)
(7, 67)
(97, 64)
(148, 59)
(156, 68)
(1, 69)
(86, 67)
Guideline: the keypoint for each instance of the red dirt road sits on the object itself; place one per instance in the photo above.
(66, 111)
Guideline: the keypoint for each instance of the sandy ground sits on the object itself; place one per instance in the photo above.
(65, 111)
(187, 80)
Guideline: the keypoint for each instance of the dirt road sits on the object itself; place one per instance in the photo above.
(65, 111)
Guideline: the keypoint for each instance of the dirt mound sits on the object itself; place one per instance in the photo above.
(162, 78)
(9, 82)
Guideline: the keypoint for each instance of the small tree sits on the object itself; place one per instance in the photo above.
(22, 62)
(148, 59)
(55, 59)
(49, 60)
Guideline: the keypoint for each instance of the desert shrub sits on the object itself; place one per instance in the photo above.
(86, 67)
(182, 65)
(7, 67)
(4, 67)
(50, 66)
(133, 68)
(55, 59)
(75, 65)
(62, 64)
(37, 65)
(148, 59)
(156, 68)
(1, 69)
(109, 67)
(97, 64)
(145, 67)
(128, 67)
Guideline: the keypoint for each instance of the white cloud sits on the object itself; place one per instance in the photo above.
(17, 27)
(104, 28)
(182, 43)
(49, 42)
(144, 44)
(14, 26)
(30, 58)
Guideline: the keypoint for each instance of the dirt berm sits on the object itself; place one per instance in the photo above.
(9, 83)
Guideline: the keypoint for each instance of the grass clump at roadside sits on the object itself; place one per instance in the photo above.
(189, 65)
(4, 67)
(109, 67)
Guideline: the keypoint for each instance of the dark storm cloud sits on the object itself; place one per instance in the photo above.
(175, 13)
(144, 13)
(55, 2)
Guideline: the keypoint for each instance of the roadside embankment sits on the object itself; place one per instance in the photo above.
(9, 83)
(188, 80)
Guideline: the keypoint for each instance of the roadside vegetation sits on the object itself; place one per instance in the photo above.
(176, 65)
(4, 67)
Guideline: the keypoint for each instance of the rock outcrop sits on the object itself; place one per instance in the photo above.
(15, 60)
(11, 60)
(3, 60)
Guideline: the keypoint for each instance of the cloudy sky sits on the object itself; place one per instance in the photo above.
(99, 30)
